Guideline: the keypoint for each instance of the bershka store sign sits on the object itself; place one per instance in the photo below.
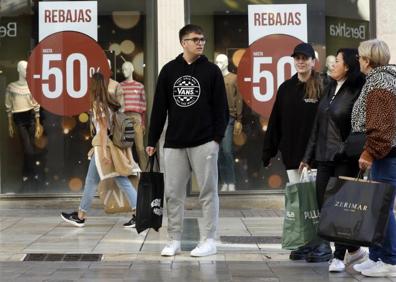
(274, 31)
(59, 16)
(61, 65)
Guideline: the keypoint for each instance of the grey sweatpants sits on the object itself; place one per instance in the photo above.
(179, 163)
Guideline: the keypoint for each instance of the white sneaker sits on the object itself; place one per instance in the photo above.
(171, 249)
(367, 264)
(336, 265)
(205, 248)
(224, 187)
(355, 257)
(380, 269)
(231, 187)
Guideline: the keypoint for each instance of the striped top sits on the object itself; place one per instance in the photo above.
(134, 97)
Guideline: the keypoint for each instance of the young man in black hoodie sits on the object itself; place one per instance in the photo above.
(191, 91)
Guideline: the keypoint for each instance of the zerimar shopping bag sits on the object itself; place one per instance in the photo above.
(112, 197)
(301, 213)
(150, 198)
(355, 211)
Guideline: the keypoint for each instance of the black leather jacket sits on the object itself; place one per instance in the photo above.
(332, 122)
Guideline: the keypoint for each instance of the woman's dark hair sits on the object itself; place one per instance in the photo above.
(100, 99)
(351, 60)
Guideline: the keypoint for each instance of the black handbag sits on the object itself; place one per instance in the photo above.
(355, 212)
(150, 198)
(354, 144)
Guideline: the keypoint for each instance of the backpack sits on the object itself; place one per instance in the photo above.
(123, 133)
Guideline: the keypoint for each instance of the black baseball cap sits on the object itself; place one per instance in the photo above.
(305, 49)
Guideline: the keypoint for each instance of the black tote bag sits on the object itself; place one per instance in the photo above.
(150, 198)
(355, 211)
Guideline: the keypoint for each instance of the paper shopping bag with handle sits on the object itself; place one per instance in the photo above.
(301, 213)
(150, 198)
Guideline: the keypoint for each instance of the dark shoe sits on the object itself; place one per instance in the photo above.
(72, 218)
(131, 223)
(320, 253)
(300, 253)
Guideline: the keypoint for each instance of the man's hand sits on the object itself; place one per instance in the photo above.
(150, 150)
(237, 128)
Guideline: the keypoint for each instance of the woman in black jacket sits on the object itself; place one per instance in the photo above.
(331, 127)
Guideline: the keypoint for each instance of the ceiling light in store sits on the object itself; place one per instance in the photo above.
(83, 118)
(116, 48)
(138, 62)
(126, 19)
(127, 47)
(237, 56)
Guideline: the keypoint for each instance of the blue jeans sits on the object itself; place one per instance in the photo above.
(226, 156)
(92, 180)
(384, 170)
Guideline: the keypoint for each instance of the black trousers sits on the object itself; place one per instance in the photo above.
(325, 171)
(24, 123)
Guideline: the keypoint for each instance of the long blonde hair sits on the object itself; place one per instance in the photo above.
(100, 99)
(313, 86)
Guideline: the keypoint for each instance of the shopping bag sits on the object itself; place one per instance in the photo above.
(355, 211)
(301, 213)
(112, 197)
(150, 198)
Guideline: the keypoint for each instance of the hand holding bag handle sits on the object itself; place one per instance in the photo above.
(151, 162)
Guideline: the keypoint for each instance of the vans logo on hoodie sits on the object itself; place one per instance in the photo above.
(186, 91)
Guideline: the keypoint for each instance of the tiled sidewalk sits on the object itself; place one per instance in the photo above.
(35, 227)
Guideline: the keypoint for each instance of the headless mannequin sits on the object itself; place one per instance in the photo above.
(330, 62)
(134, 105)
(24, 114)
(226, 163)
(21, 68)
(115, 90)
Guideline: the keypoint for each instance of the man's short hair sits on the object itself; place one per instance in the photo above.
(189, 29)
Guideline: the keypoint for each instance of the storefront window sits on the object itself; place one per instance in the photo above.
(57, 161)
(330, 25)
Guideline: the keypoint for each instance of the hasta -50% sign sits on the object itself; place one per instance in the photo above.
(265, 65)
(59, 71)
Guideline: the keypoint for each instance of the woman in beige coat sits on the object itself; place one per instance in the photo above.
(105, 160)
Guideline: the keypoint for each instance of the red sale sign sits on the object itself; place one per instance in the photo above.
(59, 71)
(265, 65)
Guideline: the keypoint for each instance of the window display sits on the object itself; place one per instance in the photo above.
(47, 153)
(226, 26)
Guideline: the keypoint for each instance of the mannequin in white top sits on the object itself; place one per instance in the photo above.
(24, 114)
(115, 90)
(134, 105)
(20, 100)
(234, 127)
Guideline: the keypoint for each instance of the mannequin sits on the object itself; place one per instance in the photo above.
(115, 90)
(226, 157)
(24, 114)
(330, 62)
(134, 106)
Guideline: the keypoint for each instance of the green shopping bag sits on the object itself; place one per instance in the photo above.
(301, 214)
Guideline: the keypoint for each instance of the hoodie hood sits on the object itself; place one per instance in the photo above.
(190, 68)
